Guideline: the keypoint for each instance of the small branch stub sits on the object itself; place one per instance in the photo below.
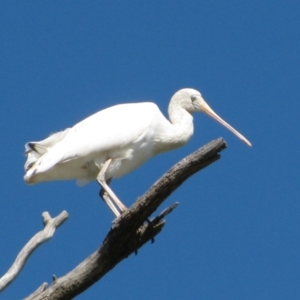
(38, 291)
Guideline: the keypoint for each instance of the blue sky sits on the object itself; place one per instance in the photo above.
(235, 234)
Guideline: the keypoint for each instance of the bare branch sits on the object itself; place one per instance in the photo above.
(41, 237)
(130, 231)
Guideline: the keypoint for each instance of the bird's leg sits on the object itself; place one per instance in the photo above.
(107, 200)
(108, 195)
(102, 192)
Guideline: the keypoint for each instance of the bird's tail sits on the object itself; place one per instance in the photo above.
(34, 152)
(37, 151)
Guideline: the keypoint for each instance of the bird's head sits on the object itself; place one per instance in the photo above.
(192, 101)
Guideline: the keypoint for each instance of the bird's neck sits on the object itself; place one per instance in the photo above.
(179, 130)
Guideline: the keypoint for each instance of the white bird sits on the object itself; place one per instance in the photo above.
(115, 141)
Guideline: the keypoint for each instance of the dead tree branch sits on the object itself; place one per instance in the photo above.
(130, 231)
(50, 225)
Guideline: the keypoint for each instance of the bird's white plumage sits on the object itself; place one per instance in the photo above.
(123, 136)
(127, 133)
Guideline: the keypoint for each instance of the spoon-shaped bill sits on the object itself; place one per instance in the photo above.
(206, 108)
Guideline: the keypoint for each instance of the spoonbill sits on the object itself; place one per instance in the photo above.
(115, 141)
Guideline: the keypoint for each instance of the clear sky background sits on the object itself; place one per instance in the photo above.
(235, 234)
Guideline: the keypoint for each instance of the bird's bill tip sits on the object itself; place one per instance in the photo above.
(247, 142)
(207, 109)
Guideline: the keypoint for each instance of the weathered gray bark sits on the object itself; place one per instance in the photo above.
(130, 231)
(50, 225)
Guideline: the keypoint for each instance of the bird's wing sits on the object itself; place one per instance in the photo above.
(109, 129)
(41, 147)
(34, 150)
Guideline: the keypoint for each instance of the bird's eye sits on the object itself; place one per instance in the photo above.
(193, 98)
